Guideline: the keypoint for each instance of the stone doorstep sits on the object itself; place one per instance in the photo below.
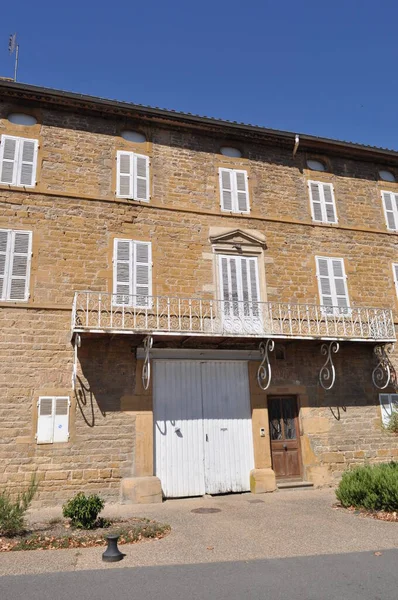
(294, 485)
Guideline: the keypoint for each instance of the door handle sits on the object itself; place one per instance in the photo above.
(284, 446)
(207, 438)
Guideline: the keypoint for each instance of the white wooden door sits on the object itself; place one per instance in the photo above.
(227, 426)
(203, 429)
(179, 460)
(239, 287)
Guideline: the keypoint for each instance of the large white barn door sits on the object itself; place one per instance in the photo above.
(179, 448)
(203, 428)
(227, 425)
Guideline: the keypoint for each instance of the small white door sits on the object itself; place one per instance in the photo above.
(203, 428)
(239, 287)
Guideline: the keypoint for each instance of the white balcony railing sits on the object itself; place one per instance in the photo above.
(103, 312)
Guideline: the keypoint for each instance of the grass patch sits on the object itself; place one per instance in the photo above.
(59, 536)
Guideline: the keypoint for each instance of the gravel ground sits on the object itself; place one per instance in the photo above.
(248, 527)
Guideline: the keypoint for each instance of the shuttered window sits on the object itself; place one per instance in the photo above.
(234, 191)
(52, 419)
(133, 176)
(239, 285)
(390, 204)
(388, 404)
(15, 258)
(332, 283)
(395, 274)
(18, 161)
(322, 202)
(132, 273)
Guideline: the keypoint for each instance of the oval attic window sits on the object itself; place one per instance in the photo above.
(387, 176)
(232, 152)
(315, 165)
(22, 119)
(133, 136)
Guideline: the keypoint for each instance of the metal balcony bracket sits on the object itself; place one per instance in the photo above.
(76, 344)
(146, 368)
(381, 374)
(264, 373)
(327, 375)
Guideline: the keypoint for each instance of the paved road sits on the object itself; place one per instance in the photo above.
(353, 576)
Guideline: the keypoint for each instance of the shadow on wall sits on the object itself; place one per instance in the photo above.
(107, 372)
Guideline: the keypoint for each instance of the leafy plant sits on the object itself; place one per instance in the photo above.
(83, 510)
(12, 512)
(370, 487)
(393, 422)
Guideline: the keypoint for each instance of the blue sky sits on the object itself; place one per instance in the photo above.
(327, 68)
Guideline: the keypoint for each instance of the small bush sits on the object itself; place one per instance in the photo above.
(12, 512)
(370, 487)
(393, 423)
(83, 510)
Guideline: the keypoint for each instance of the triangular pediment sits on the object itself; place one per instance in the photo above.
(238, 236)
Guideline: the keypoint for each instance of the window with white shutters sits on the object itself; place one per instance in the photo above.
(15, 258)
(390, 205)
(388, 405)
(332, 283)
(18, 161)
(52, 419)
(132, 273)
(395, 274)
(132, 176)
(234, 191)
(239, 287)
(323, 206)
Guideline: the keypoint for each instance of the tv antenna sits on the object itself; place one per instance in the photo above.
(13, 47)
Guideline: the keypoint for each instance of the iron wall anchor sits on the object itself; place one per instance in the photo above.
(112, 553)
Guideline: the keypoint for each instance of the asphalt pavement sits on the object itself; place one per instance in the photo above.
(353, 576)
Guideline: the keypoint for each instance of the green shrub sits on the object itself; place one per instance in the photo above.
(393, 423)
(370, 487)
(83, 510)
(12, 512)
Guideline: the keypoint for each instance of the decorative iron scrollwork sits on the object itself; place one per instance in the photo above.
(327, 375)
(381, 374)
(264, 373)
(146, 369)
(76, 345)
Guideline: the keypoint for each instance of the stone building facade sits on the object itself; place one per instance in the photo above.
(225, 248)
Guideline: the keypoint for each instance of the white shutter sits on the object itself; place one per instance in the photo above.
(123, 271)
(322, 202)
(5, 243)
(61, 419)
(330, 210)
(125, 179)
(142, 274)
(27, 163)
(316, 201)
(226, 189)
(9, 150)
(141, 177)
(390, 204)
(224, 283)
(242, 191)
(45, 420)
(332, 283)
(395, 272)
(19, 269)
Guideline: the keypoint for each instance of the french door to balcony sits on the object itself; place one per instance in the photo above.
(240, 294)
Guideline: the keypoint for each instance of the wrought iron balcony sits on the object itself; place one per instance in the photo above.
(160, 315)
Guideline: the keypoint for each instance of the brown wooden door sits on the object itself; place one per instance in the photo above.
(285, 436)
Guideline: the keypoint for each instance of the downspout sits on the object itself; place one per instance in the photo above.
(296, 145)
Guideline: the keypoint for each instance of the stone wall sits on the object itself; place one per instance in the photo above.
(75, 217)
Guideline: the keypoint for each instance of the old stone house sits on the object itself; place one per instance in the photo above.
(189, 305)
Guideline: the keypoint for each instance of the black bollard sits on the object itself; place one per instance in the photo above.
(112, 553)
